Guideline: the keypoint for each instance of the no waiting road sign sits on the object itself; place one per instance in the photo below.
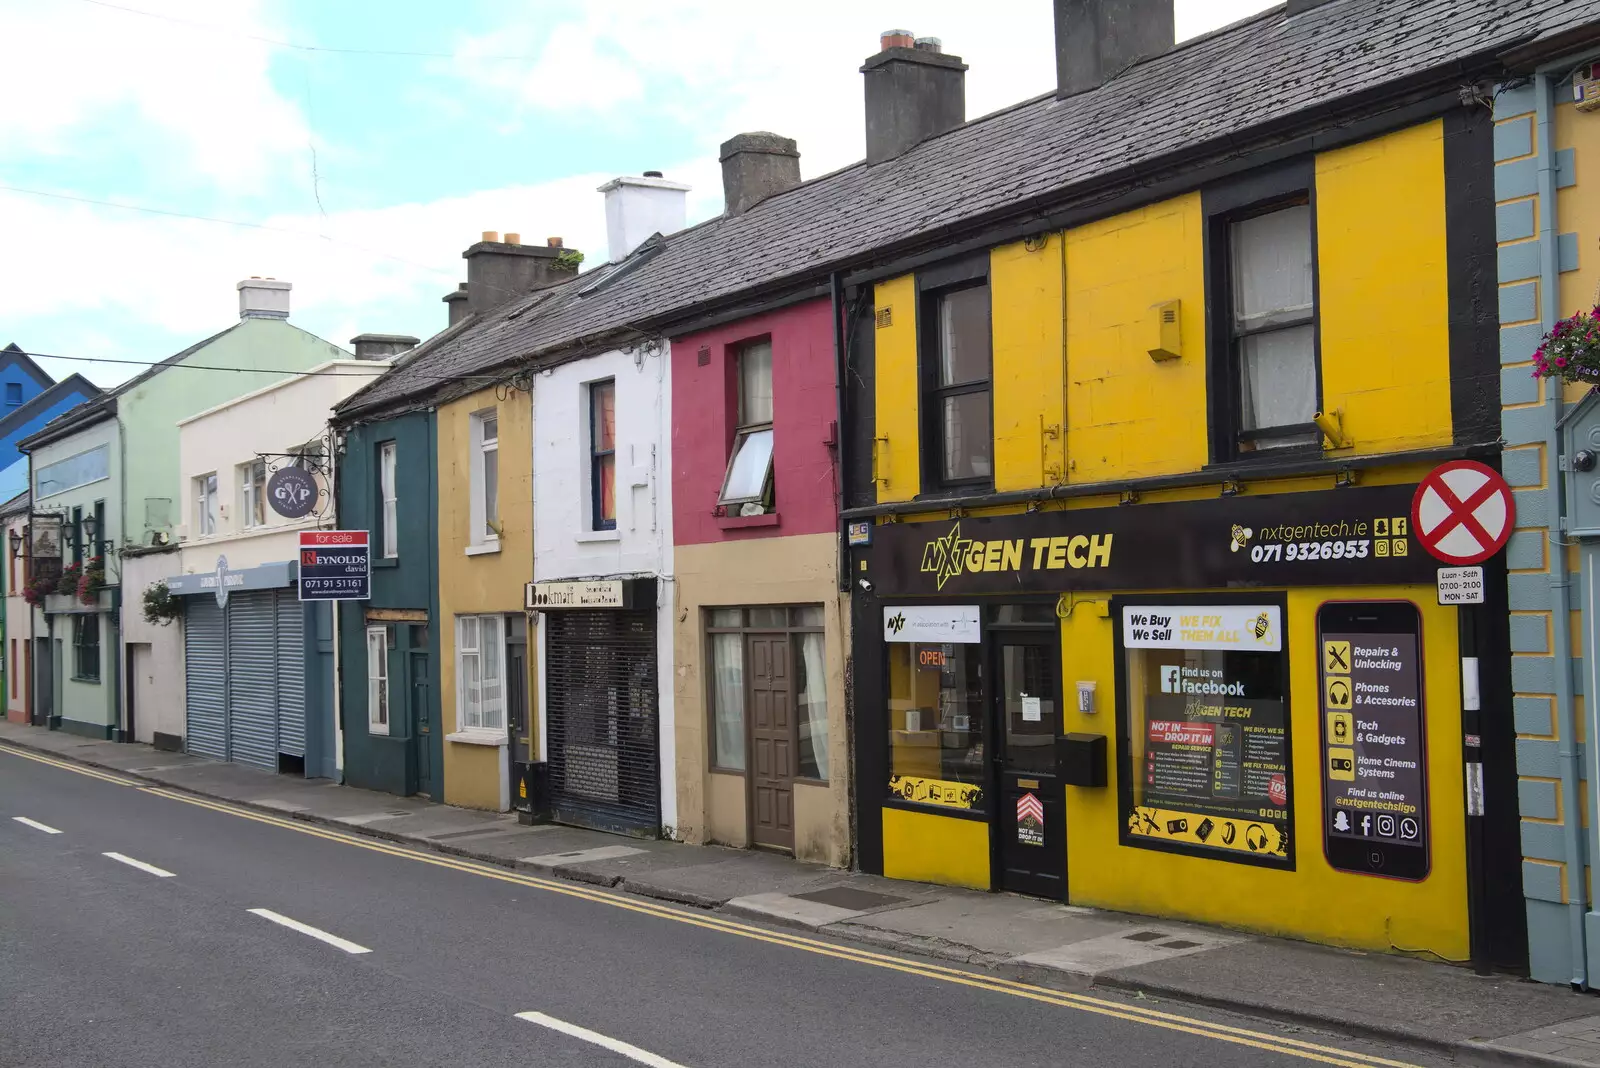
(1462, 512)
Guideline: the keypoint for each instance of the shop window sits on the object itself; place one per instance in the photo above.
(205, 504)
(1204, 723)
(389, 500)
(729, 630)
(253, 493)
(603, 455)
(748, 480)
(956, 368)
(86, 647)
(480, 673)
(85, 467)
(936, 724)
(1272, 329)
(378, 680)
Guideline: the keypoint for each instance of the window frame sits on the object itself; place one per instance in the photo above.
(481, 535)
(791, 629)
(388, 500)
(14, 389)
(252, 494)
(743, 430)
(381, 679)
(482, 728)
(1257, 194)
(205, 490)
(933, 286)
(598, 456)
(85, 623)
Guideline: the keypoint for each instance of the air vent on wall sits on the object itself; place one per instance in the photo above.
(885, 317)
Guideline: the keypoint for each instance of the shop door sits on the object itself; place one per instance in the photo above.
(771, 742)
(252, 688)
(1032, 805)
(205, 660)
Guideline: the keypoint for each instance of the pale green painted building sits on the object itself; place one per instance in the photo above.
(116, 459)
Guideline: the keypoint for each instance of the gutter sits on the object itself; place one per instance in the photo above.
(1567, 753)
(1221, 474)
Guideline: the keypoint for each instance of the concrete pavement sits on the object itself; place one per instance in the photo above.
(258, 940)
(1387, 997)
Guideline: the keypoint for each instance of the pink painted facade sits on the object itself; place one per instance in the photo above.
(804, 415)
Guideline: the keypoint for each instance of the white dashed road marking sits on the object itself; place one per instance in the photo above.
(633, 1053)
(160, 873)
(35, 824)
(307, 929)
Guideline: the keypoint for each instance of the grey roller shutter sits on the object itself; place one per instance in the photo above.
(602, 726)
(205, 674)
(291, 677)
(252, 679)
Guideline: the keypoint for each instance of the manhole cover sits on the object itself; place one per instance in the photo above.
(848, 897)
(1144, 936)
(1179, 943)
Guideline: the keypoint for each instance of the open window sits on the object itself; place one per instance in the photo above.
(748, 481)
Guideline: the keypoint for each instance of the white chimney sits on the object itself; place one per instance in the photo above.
(264, 298)
(637, 208)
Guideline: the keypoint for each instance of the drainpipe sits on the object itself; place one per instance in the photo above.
(841, 360)
(1560, 581)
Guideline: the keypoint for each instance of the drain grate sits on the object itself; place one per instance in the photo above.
(1179, 943)
(1144, 936)
(849, 897)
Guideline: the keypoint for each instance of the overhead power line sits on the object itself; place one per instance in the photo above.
(349, 372)
(220, 221)
(298, 46)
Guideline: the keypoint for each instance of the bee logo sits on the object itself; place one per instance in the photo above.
(1241, 537)
(1263, 627)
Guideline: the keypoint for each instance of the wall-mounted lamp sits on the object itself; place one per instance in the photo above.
(16, 543)
(90, 530)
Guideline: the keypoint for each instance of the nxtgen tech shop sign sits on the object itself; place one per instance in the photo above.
(1352, 536)
(335, 565)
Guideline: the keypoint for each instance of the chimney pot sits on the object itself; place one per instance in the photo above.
(913, 92)
(652, 174)
(756, 166)
(513, 239)
(263, 298)
(552, 242)
(491, 235)
(896, 39)
(639, 208)
(1096, 40)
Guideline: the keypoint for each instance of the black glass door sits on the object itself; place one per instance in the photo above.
(1030, 812)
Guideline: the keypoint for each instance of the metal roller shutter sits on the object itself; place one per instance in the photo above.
(252, 679)
(603, 737)
(291, 676)
(205, 675)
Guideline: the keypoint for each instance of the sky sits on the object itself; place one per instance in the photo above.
(155, 152)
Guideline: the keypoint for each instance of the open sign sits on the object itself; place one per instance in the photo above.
(933, 658)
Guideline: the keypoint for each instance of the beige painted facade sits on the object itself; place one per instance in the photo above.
(712, 805)
(481, 579)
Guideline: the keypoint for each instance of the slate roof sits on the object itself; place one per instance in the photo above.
(1208, 93)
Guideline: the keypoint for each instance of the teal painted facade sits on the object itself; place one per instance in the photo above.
(409, 757)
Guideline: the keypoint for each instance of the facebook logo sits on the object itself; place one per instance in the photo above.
(1366, 823)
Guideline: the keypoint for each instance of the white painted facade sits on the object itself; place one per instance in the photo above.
(153, 669)
(565, 543)
(18, 638)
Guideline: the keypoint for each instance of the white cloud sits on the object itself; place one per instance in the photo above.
(189, 102)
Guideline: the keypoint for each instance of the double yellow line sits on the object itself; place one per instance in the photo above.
(1239, 1036)
(93, 773)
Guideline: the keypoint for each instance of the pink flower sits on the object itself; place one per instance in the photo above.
(1561, 361)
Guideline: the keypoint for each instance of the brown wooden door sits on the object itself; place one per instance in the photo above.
(772, 742)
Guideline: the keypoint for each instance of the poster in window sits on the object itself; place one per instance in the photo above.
(1207, 731)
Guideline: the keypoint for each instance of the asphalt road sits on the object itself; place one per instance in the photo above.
(154, 957)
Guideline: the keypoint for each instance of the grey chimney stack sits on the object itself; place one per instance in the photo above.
(263, 298)
(498, 271)
(756, 166)
(913, 91)
(456, 304)
(381, 346)
(1098, 39)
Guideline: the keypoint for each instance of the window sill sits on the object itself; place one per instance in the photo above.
(483, 548)
(727, 771)
(380, 730)
(93, 680)
(737, 522)
(478, 737)
(590, 537)
(386, 561)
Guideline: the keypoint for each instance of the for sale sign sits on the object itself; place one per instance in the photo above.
(335, 565)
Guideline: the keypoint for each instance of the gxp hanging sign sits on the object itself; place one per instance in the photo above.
(292, 492)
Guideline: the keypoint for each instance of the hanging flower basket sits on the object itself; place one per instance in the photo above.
(38, 588)
(1571, 350)
(160, 604)
(92, 580)
(67, 583)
